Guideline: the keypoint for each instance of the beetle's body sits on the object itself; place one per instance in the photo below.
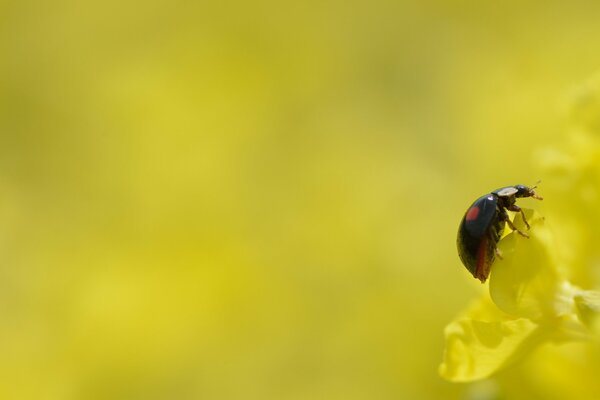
(483, 224)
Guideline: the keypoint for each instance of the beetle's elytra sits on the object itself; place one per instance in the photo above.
(482, 226)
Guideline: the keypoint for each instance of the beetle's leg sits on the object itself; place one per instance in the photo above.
(516, 208)
(512, 226)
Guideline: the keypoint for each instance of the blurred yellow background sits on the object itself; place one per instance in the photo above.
(259, 200)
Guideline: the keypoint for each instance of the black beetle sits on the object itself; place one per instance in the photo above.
(482, 226)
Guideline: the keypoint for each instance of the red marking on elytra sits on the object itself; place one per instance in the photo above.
(472, 213)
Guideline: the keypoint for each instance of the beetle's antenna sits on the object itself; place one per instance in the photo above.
(535, 196)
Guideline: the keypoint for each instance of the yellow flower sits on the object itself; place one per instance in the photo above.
(531, 304)
(536, 293)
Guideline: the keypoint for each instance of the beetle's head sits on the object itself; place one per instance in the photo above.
(526, 191)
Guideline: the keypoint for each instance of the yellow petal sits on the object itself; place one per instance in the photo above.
(588, 309)
(475, 349)
(525, 283)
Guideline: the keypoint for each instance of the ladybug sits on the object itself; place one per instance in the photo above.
(482, 226)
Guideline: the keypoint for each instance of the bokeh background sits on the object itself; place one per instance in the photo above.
(259, 200)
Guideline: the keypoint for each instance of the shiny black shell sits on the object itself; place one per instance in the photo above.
(478, 234)
(483, 224)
